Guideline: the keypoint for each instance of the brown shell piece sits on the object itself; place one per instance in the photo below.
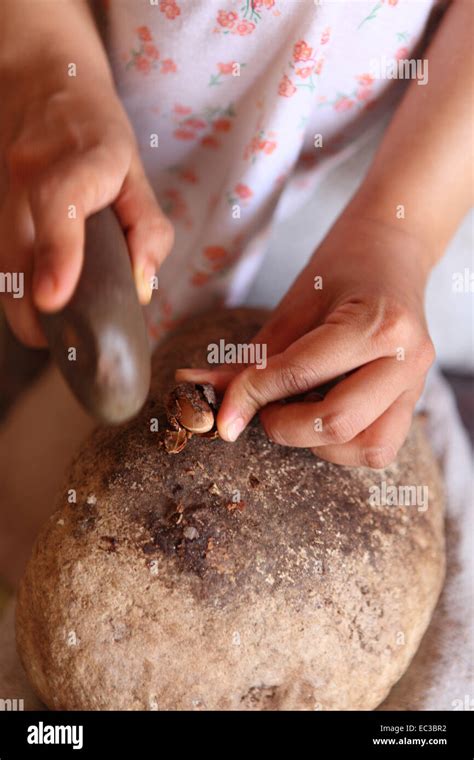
(176, 440)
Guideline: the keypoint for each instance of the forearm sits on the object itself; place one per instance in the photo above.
(52, 34)
(425, 161)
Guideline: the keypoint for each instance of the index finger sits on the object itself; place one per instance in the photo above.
(60, 201)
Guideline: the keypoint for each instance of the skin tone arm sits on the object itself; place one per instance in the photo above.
(368, 318)
(64, 140)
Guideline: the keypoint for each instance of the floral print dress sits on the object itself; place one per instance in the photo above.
(238, 105)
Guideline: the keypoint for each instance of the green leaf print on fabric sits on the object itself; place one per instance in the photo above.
(372, 14)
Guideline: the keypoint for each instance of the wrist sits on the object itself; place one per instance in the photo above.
(44, 70)
(39, 42)
(408, 200)
(398, 216)
(362, 250)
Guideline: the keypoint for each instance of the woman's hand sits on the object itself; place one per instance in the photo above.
(66, 143)
(363, 317)
(368, 318)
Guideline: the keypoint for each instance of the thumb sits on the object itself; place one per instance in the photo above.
(150, 234)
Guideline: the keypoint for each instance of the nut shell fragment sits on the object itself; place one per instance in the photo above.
(175, 440)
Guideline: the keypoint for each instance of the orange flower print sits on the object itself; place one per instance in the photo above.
(286, 88)
(190, 126)
(144, 34)
(261, 142)
(174, 205)
(225, 69)
(170, 8)
(243, 191)
(214, 252)
(263, 4)
(200, 278)
(268, 146)
(182, 110)
(184, 134)
(217, 257)
(165, 321)
(146, 55)
(343, 104)
(365, 79)
(244, 27)
(364, 93)
(168, 66)
(217, 266)
(253, 8)
(302, 51)
(142, 64)
(402, 53)
(319, 66)
(392, 2)
(189, 175)
(184, 173)
(361, 96)
(241, 194)
(222, 125)
(227, 18)
(209, 141)
(151, 51)
(214, 259)
(229, 22)
(195, 123)
(304, 72)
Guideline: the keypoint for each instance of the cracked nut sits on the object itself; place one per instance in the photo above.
(191, 410)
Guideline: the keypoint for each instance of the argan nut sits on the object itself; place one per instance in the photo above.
(196, 419)
(190, 406)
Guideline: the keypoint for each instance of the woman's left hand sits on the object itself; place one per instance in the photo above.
(365, 317)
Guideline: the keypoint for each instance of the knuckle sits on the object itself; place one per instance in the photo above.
(255, 394)
(393, 326)
(167, 233)
(44, 190)
(425, 352)
(340, 427)
(274, 434)
(163, 231)
(378, 456)
(294, 378)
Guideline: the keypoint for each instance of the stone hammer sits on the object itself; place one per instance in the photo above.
(99, 339)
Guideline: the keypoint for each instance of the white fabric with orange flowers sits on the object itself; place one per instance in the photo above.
(227, 98)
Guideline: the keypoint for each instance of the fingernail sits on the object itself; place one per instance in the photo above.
(144, 281)
(234, 428)
(191, 373)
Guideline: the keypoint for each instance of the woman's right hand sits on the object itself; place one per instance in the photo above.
(67, 151)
